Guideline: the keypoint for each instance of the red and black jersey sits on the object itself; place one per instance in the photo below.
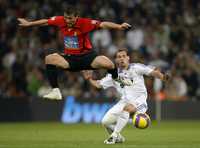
(76, 39)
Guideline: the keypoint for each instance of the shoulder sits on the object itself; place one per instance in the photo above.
(87, 21)
(82, 20)
(54, 18)
(136, 65)
(140, 65)
(56, 21)
(108, 76)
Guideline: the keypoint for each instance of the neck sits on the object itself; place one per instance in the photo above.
(124, 67)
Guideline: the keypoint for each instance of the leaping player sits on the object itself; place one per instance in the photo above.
(78, 53)
(132, 97)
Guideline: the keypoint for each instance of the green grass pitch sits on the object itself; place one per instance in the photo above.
(170, 134)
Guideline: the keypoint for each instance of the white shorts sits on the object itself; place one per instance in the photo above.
(139, 103)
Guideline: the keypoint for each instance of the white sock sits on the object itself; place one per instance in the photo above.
(110, 128)
(121, 123)
(108, 122)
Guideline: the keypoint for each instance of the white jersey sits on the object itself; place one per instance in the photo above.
(134, 74)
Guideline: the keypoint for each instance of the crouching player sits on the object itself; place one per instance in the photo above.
(132, 97)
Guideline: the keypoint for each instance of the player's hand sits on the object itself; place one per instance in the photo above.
(124, 26)
(23, 22)
(87, 74)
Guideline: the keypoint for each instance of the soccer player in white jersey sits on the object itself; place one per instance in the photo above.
(132, 97)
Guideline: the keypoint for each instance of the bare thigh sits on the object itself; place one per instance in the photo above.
(57, 60)
(102, 62)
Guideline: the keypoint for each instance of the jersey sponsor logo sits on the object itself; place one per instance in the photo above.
(71, 42)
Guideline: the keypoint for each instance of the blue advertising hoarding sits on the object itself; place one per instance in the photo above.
(74, 112)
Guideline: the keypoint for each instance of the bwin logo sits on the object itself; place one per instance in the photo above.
(74, 112)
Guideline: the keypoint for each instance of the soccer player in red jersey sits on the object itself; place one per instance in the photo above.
(78, 53)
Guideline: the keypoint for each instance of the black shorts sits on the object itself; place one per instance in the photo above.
(80, 62)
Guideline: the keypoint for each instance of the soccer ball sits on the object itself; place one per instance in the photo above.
(141, 121)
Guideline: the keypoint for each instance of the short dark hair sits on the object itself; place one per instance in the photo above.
(121, 50)
(71, 10)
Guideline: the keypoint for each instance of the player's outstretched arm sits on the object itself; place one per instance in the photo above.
(87, 74)
(111, 25)
(157, 74)
(25, 23)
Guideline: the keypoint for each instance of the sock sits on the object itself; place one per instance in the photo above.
(114, 73)
(121, 122)
(108, 122)
(110, 128)
(52, 75)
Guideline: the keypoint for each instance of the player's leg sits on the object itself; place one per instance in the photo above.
(105, 63)
(110, 120)
(130, 108)
(111, 116)
(124, 117)
(53, 62)
(56, 60)
(122, 120)
(139, 104)
(93, 61)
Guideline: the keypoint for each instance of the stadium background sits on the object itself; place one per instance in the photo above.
(165, 34)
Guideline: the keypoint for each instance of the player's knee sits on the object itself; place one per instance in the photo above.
(130, 108)
(50, 59)
(107, 62)
(104, 122)
(109, 65)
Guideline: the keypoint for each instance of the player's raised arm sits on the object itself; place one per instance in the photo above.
(111, 25)
(87, 74)
(25, 23)
(157, 74)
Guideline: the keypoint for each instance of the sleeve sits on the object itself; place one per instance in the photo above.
(144, 69)
(55, 20)
(106, 82)
(88, 25)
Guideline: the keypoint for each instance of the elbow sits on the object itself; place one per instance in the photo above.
(98, 87)
(155, 73)
(102, 25)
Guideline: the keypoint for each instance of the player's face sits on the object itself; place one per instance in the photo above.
(122, 59)
(70, 20)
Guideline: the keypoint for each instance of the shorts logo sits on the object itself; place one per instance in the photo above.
(71, 42)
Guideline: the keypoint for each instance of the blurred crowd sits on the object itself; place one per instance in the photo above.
(165, 34)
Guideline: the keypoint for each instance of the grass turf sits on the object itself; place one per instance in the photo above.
(170, 134)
